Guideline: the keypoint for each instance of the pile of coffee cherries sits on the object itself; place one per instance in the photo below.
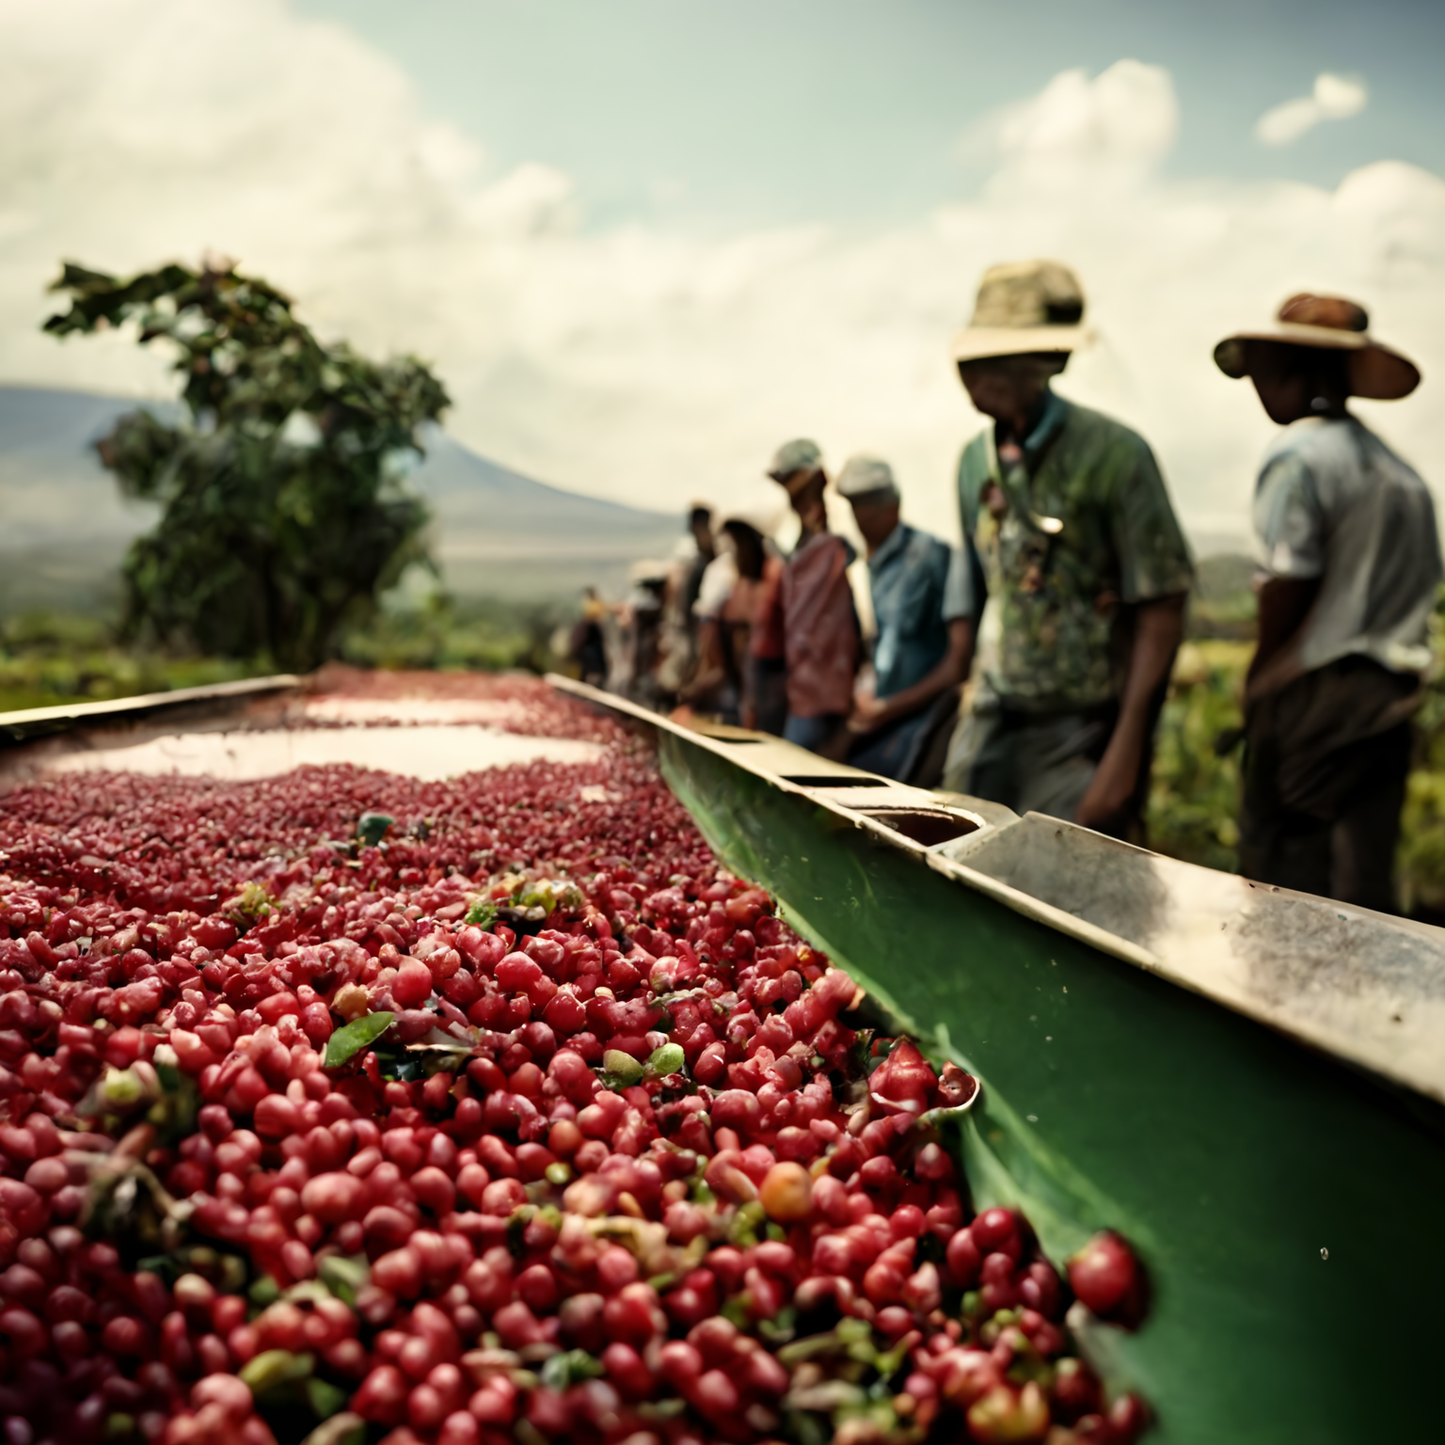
(341, 1107)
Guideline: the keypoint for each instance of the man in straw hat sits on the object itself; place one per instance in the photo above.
(1084, 564)
(1352, 568)
(811, 611)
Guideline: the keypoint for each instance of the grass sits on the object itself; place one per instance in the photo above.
(486, 635)
(48, 658)
(1194, 792)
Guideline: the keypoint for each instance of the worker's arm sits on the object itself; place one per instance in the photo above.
(1158, 629)
(710, 667)
(870, 714)
(1284, 603)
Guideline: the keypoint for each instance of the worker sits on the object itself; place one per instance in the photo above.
(924, 643)
(1351, 572)
(700, 550)
(765, 668)
(588, 645)
(1086, 570)
(677, 640)
(642, 614)
(733, 589)
(811, 611)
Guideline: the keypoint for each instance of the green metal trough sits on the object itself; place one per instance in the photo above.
(1246, 1082)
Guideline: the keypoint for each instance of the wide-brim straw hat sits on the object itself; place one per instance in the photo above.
(1023, 307)
(1328, 323)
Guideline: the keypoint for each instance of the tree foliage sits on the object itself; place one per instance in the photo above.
(283, 491)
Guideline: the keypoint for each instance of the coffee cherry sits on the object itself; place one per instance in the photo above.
(1103, 1274)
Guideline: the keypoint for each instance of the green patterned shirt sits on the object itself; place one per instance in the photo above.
(1064, 596)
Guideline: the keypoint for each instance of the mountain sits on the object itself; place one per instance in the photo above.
(64, 527)
(498, 533)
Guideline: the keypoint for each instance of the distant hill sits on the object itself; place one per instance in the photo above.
(64, 527)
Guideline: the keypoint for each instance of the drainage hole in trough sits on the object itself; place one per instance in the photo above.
(826, 780)
(922, 825)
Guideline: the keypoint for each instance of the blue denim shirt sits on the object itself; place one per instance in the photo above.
(919, 586)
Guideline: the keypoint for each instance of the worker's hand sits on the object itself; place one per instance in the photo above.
(1110, 789)
(868, 714)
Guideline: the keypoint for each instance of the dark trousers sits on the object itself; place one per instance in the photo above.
(1320, 811)
(911, 750)
(768, 682)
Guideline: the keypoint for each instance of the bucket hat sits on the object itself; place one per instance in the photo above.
(1329, 323)
(1022, 307)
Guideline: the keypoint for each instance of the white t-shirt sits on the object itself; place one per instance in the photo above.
(718, 580)
(1334, 502)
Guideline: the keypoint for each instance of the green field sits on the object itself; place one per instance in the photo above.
(55, 657)
(1194, 792)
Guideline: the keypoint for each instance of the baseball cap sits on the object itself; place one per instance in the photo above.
(863, 474)
(795, 456)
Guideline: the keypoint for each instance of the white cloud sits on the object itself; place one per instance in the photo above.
(645, 363)
(1335, 97)
(1111, 130)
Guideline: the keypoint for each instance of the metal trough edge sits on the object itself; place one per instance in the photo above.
(31, 723)
(1188, 918)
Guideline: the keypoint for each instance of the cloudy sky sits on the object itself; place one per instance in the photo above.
(646, 240)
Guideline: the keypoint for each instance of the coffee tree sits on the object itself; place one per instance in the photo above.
(284, 508)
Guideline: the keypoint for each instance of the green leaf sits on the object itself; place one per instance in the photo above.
(343, 1275)
(264, 1291)
(483, 913)
(371, 828)
(661, 1409)
(571, 1367)
(359, 1034)
(780, 1330)
(793, 1354)
(345, 1429)
(164, 1265)
(324, 1397)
